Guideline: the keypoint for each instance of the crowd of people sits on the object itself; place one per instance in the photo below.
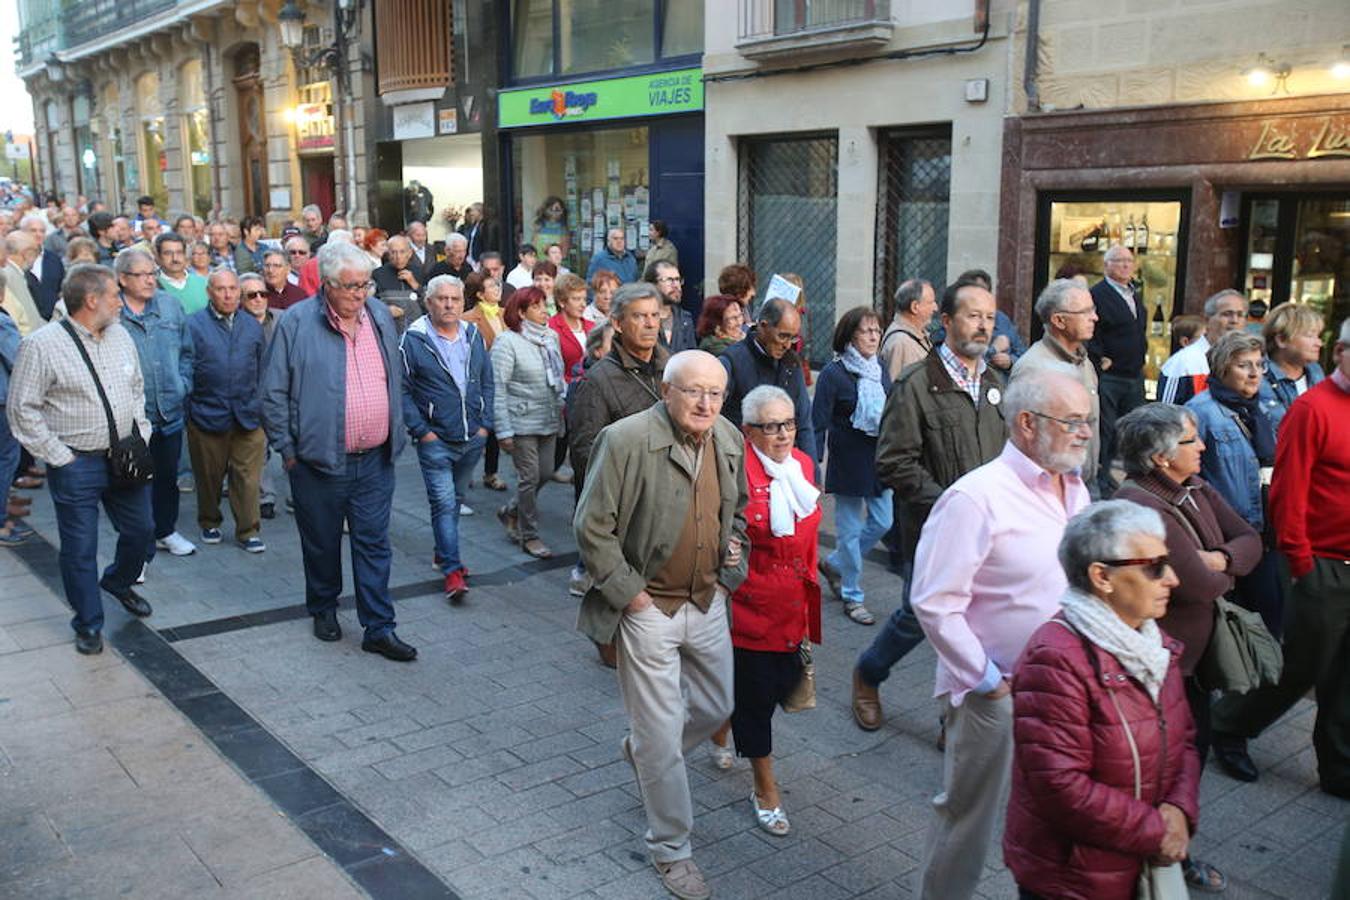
(1069, 549)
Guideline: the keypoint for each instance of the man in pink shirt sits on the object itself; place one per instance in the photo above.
(986, 575)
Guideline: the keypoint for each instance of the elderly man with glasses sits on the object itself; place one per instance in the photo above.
(281, 293)
(1186, 372)
(766, 357)
(332, 408)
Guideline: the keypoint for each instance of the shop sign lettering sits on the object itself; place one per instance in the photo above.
(610, 98)
(1278, 141)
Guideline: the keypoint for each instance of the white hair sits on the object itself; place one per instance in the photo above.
(335, 258)
(455, 239)
(33, 217)
(312, 208)
(441, 281)
(1345, 332)
(1212, 304)
(1031, 390)
(1116, 252)
(1101, 532)
(339, 236)
(753, 403)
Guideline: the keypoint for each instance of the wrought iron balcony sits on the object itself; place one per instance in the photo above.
(91, 19)
(777, 27)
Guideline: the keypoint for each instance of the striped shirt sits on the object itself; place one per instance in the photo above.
(54, 406)
(367, 412)
(961, 376)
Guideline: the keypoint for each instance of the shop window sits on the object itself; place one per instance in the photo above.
(114, 154)
(913, 204)
(598, 35)
(787, 222)
(196, 137)
(1076, 233)
(155, 160)
(86, 159)
(572, 187)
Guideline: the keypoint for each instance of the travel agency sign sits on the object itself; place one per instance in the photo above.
(655, 94)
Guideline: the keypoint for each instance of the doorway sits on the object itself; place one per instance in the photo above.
(317, 179)
(248, 88)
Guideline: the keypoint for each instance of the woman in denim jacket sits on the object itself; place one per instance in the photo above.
(1237, 418)
(1293, 336)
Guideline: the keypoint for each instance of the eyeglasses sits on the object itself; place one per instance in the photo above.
(1086, 311)
(298, 252)
(712, 395)
(1253, 368)
(149, 274)
(1186, 441)
(773, 429)
(1155, 568)
(353, 287)
(251, 295)
(670, 280)
(1071, 426)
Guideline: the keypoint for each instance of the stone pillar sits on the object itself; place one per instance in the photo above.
(855, 248)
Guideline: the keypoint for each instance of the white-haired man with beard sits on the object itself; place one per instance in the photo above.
(986, 575)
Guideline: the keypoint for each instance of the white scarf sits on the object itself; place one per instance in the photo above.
(1141, 653)
(791, 495)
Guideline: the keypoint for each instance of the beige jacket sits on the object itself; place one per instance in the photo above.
(19, 301)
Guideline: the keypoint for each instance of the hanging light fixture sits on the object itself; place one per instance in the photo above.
(1341, 68)
(291, 21)
(1266, 71)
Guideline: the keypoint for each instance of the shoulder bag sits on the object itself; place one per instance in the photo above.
(129, 460)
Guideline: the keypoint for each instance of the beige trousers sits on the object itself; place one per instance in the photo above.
(239, 453)
(976, 770)
(675, 675)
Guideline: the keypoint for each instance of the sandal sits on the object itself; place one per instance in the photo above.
(774, 821)
(494, 482)
(537, 548)
(722, 757)
(1203, 877)
(859, 613)
(28, 482)
(14, 534)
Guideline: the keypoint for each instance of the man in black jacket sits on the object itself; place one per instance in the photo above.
(766, 357)
(677, 326)
(1117, 349)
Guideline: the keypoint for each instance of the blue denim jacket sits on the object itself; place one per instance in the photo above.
(164, 346)
(1283, 386)
(1229, 463)
(9, 352)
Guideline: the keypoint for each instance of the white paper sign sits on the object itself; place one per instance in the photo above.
(414, 120)
(781, 287)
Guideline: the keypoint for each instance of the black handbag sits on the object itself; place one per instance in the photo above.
(129, 460)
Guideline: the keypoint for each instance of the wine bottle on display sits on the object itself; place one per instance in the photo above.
(1141, 235)
(1129, 233)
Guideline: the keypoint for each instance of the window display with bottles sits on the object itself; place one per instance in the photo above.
(1077, 230)
(572, 187)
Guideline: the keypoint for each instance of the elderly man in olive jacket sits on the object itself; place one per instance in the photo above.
(661, 528)
(941, 420)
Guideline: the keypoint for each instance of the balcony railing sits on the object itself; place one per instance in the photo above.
(769, 27)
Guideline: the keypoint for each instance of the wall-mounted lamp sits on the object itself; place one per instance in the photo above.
(1341, 67)
(1266, 71)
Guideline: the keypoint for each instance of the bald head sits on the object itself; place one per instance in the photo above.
(694, 387)
(1049, 416)
(22, 248)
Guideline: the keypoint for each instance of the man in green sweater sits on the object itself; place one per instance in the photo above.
(188, 287)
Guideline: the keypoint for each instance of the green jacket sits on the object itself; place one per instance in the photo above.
(632, 509)
(931, 434)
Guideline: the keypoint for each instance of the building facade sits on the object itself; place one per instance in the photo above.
(199, 105)
(854, 143)
(1212, 139)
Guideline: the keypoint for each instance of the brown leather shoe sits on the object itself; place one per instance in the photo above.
(866, 704)
(609, 657)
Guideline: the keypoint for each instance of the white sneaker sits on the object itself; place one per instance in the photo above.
(140, 579)
(177, 545)
(465, 509)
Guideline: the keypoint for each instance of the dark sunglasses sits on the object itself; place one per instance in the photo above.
(249, 295)
(1155, 568)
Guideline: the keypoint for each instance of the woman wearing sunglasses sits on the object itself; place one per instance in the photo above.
(1105, 775)
(1209, 543)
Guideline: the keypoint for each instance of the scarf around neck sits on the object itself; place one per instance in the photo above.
(791, 496)
(542, 337)
(871, 396)
(1140, 653)
(1260, 430)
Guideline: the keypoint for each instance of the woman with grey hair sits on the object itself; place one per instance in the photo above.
(1237, 418)
(1209, 544)
(1105, 780)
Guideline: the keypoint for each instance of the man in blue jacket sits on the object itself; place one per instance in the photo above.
(616, 257)
(766, 357)
(332, 408)
(158, 327)
(447, 406)
(224, 430)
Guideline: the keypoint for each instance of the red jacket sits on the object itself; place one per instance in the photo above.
(572, 349)
(1074, 829)
(778, 604)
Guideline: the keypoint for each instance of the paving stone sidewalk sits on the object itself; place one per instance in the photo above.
(494, 758)
(107, 791)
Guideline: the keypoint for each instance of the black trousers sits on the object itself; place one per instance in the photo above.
(763, 680)
(491, 455)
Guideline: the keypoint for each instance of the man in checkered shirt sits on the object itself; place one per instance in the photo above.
(55, 412)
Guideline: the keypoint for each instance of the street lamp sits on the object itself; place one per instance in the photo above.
(291, 21)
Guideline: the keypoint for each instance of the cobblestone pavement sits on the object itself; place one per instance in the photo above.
(494, 758)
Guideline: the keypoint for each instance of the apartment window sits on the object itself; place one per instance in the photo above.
(413, 44)
(788, 220)
(154, 158)
(569, 37)
(913, 202)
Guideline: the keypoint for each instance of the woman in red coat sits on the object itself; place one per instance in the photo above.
(1105, 773)
(778, 605)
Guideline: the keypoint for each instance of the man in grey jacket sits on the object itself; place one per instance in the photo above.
(664, 572)
(332, 408)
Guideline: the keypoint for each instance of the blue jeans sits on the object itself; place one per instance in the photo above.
(859, 522)
(901, 634)
(164, 451)
(9, 457)
(447, 468)
(77, 489)
(362, 495)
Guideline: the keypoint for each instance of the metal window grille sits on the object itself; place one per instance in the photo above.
(913, 202)
(787, 208)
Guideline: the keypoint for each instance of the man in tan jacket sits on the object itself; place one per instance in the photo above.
(660, 526)
(906, 340)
